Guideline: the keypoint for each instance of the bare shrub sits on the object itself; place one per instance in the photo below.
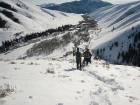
(54, 59)
(45, 47)
(106, 64)
(7, 60)
(5, 77)
(49, 70)
(16, 68)
(21, 58)
(6, 89)
(12, 62)
(134, 98)
(48, 46)
(22, 63)
(82, 81)
(2, 102)
(50, 64)
(103, 64)
(31, 63)
(112, 75)
(36, 64)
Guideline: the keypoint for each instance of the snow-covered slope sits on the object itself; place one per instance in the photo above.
(47, 5)
(32, 19)
(80, 6)
(117, 24)
(51, 80)
(57, 82)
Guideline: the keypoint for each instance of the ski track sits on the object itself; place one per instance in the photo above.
(101, 95)
(107, 81)
(94, 86)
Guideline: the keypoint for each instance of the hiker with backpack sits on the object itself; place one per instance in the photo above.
(78, 56)
(87, 57)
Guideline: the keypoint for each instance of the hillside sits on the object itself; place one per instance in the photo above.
(47, 5)
(118, 40)
(57, 82)
(114, 36)
(40, 69)
(19, 18)
(80, 6)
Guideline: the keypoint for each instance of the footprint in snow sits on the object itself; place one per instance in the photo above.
(31, 97)
(78, 92)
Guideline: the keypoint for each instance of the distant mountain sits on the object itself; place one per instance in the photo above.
(48, 5)
(79, 7)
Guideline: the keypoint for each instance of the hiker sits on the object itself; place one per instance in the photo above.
(87, 57)
(78, 56)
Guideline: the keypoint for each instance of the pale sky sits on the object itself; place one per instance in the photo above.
(62, 1)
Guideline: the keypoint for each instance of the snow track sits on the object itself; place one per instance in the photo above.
(58, 82)
(106, 85)
(114, 85)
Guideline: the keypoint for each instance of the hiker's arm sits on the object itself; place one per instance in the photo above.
(82, 54)
(90, 54)
(74, 53)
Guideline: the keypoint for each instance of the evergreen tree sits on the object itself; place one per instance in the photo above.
(97, 51)
(2, 23)
(110, 48)
(118, 56)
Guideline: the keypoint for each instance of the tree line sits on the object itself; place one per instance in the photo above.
(8, 43)
(133, 53)
(131, 56)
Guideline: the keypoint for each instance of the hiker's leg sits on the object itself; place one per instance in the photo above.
(77, 62)
(86, 60)
(90, 60)
(80, 64)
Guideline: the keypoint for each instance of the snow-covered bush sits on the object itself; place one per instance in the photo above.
(6, 89)
(50, 70)
(48, 46)
(12, 62)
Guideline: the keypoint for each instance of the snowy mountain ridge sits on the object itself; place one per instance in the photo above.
(30, 18)
(119, 36)
(48, 5)
(80, 7)
(117, 24)
(30, 76)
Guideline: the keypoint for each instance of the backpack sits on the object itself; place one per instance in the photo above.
(78, 56)
(87, 54)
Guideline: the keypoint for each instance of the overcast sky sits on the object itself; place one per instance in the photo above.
(62, 1)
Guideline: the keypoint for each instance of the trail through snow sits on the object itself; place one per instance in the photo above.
(99, 83)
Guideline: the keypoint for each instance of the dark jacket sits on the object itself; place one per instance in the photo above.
(87, 54)
(77, 55)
